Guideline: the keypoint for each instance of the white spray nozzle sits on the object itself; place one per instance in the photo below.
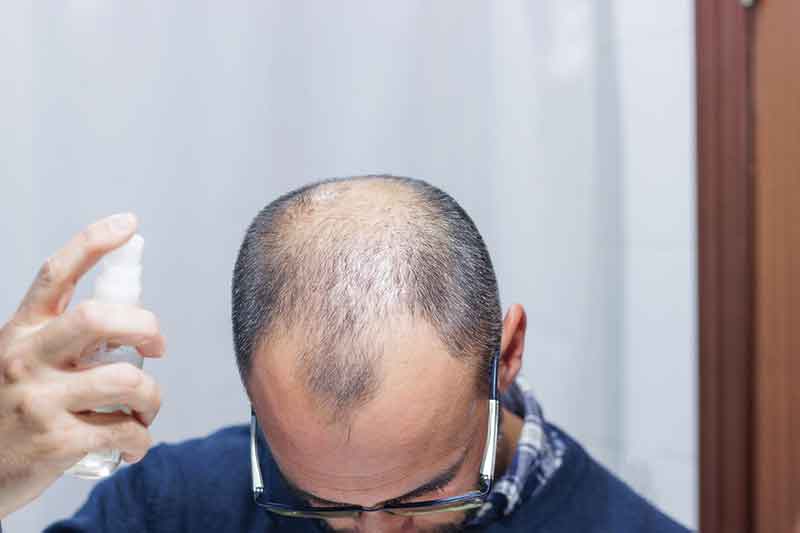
(129, 254)
(120, 281)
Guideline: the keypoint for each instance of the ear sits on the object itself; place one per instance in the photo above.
(512, 346)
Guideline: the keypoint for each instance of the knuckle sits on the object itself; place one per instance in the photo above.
(50, 272)
(30, 407)
(14, 369)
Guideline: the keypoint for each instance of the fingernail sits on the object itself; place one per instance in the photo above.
(122, 223)
(148, 348)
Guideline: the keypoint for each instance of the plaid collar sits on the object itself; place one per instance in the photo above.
(539, 454)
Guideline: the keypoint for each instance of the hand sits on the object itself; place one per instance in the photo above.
(46, 422)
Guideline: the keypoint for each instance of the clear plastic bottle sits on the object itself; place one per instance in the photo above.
(120, 281)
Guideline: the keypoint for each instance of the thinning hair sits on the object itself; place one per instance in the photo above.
(338, 260)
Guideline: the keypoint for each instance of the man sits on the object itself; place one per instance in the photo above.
(370, 341)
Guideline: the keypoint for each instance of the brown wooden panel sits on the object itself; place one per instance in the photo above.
(777, 134)
(725, 230)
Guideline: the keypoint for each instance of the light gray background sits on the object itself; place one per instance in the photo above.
(565, 127)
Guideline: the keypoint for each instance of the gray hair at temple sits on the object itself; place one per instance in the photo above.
(340, 257)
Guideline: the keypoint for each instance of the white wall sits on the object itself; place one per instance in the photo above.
(656, 44)
(565, 127)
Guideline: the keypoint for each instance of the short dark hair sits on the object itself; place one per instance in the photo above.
(340, 270)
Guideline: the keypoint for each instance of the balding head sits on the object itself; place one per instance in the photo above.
(336, 265)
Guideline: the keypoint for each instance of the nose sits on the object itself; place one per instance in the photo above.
(384, 523)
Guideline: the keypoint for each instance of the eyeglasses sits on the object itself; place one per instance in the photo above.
(464, 502)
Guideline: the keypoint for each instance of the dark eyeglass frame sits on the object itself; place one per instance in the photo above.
(470, 500)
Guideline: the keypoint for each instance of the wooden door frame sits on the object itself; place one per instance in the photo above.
(725, 203)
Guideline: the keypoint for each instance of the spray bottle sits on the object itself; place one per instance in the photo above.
(119, 282)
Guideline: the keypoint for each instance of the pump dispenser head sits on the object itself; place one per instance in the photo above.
(120, 281)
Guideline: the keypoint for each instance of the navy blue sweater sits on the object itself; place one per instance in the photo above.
(203, 485)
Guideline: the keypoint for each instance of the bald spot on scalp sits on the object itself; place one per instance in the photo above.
(350, 245)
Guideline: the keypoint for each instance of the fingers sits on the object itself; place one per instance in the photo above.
(41, 431)
(51, 290)
(114, 384)
(112, 431)
(77, 332)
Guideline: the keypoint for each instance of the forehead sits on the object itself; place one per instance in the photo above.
(422, 417)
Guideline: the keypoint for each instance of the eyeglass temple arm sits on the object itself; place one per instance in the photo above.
(255, 465)
(487, 465)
